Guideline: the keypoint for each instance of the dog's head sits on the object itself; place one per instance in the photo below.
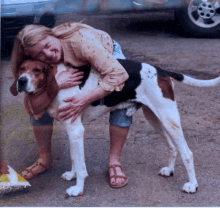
(32, 76)
(37, 79)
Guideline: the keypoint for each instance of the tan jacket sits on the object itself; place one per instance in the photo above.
(95, 47)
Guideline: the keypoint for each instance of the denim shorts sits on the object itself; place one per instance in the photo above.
(44, 120)
(118, 117)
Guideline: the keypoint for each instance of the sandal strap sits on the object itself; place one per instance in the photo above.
(41, 164)
(115, 173)
(30, 171)
(115, 166)
(117, 176)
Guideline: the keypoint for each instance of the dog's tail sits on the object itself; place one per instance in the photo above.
(194, 82)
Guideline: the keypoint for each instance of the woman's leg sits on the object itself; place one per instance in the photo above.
(43, 130)
(119, 128)
(118, 137)
(43, 135)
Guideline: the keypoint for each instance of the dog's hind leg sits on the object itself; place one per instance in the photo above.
(75, 132)
(168, 115)
(155, 122)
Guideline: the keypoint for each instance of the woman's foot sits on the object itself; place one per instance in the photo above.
(118, 137)
(116, 176)
(38, 167)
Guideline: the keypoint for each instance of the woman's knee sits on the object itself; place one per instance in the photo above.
(45, 120)
(119, 118)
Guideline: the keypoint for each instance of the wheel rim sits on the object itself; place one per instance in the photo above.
(204, 13)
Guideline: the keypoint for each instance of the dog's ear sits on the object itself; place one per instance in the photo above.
(13, 88)
(52, 87)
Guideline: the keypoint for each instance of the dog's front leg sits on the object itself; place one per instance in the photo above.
(75, 132)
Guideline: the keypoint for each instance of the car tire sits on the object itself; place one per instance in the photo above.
(200, 18)
(48, 20)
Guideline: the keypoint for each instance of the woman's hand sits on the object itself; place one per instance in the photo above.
(80, 102)
(74, 109)
(69, 79)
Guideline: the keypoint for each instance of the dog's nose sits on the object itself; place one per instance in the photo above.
(22, 82)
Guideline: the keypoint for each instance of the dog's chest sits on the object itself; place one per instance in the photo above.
(58, 102)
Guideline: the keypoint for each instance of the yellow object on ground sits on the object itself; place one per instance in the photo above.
(10, 180)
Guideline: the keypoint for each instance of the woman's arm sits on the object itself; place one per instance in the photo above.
(90, 50)
(79, 103)
(112, 74)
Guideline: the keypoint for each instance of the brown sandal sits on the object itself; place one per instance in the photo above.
(115, 176)
(31, 173)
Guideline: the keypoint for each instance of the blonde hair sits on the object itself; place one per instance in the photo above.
(67, 29)
(30, 35)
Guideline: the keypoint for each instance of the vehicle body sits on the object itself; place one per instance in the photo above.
(15, 14)
(197, 17)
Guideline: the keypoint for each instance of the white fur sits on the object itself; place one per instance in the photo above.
(161, 112)
(30, 87)
(201, 83)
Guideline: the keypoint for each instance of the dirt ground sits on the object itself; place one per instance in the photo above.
(152, 38)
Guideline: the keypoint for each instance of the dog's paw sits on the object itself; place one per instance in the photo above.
(190, 188)
(75, 191)
(69, 175)
(166, 172)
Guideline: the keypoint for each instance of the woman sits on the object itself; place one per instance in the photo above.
(75, 44)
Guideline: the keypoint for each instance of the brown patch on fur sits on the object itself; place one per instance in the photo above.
(165, 84)
(3, 168)
(55, 70)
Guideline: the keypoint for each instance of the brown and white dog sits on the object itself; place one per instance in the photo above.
(148, 87)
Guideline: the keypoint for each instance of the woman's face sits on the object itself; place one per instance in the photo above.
(48, 50)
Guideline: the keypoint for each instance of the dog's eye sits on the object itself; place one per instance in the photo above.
(22, 69)
(37, 70)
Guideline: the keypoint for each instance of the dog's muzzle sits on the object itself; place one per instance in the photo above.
(22, 84)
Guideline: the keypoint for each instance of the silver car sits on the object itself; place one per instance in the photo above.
(199, 18)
